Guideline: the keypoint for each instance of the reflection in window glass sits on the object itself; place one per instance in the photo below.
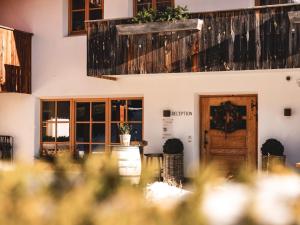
(63, 132)
(82, 150)
(98, 133)
(114, 137)
(48, 150)
(63, 111)
(48, 132)
(118, 110)
(162, 5)
(48, 111)
(62, 148)
(136, 132)
(135, 110)
(95, 4)
(83, 132)
(78, 19)
(143, 5)
(83, 111)
(95, 14)
(78, 4)
(98, 112)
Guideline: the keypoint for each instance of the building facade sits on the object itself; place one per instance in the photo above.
(59, 73)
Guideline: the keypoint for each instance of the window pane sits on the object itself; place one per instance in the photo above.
(83, 132)
(48, 111)
(63, 111)
(94, 4)
(95, 14)
(83, 111)
(62, 148)
(114, 138)
(82, 150)
(63, 132)
(118, 112)
(48, 132)
(78, 4)
(143, 4)
(48, 150)
(78, 19)
(98, 148)
(135, 110)
(163, 4)
(98, 113)
(136, 132)
(98, 133)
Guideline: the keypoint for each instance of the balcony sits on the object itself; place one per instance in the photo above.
(15, 61)
(246, 39)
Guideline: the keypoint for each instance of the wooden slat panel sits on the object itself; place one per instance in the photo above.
(15, 61)
(248, 39)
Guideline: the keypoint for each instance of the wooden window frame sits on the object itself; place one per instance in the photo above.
(154, 5)
(126, 117)
(91, 122)
(72, 141)
(55, 143)
(87, 16)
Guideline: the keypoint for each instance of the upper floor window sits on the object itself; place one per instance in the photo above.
(272, 2)
(81, 10)
(140, 5)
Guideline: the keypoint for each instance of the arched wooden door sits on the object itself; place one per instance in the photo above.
(228, 132)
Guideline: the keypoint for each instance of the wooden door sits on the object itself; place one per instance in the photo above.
(228, 132)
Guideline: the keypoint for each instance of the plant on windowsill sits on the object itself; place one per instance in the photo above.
(125, 133)
(152, 21)
(173, 161)
(272, 154)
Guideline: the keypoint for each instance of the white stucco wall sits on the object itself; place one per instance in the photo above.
(214, 5)
(17, 119)
(59, 70)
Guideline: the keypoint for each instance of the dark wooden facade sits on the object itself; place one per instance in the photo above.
(248, 39)
(15, 61)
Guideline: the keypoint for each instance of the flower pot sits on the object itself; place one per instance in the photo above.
(125, 139)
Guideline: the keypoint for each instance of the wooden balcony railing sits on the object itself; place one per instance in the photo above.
(247, 39)
(15, 61)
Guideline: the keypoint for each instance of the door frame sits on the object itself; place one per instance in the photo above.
(201, 159)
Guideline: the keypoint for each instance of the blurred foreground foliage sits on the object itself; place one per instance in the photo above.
(92, 193)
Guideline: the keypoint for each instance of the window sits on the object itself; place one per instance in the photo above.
(129, 111)
(87, 126)
(90, 126)
(55, 132)
(272, 2)
(82, 10)
(160, 5)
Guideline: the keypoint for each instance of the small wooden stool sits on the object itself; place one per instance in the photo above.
(156, 159)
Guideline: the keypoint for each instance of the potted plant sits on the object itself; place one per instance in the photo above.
(152, 21)
(272, 154)
(173, 160)
(125, 134)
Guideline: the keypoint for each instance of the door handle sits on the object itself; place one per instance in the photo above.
(205, 138)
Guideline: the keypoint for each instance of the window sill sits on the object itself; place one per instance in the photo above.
(76, 34)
